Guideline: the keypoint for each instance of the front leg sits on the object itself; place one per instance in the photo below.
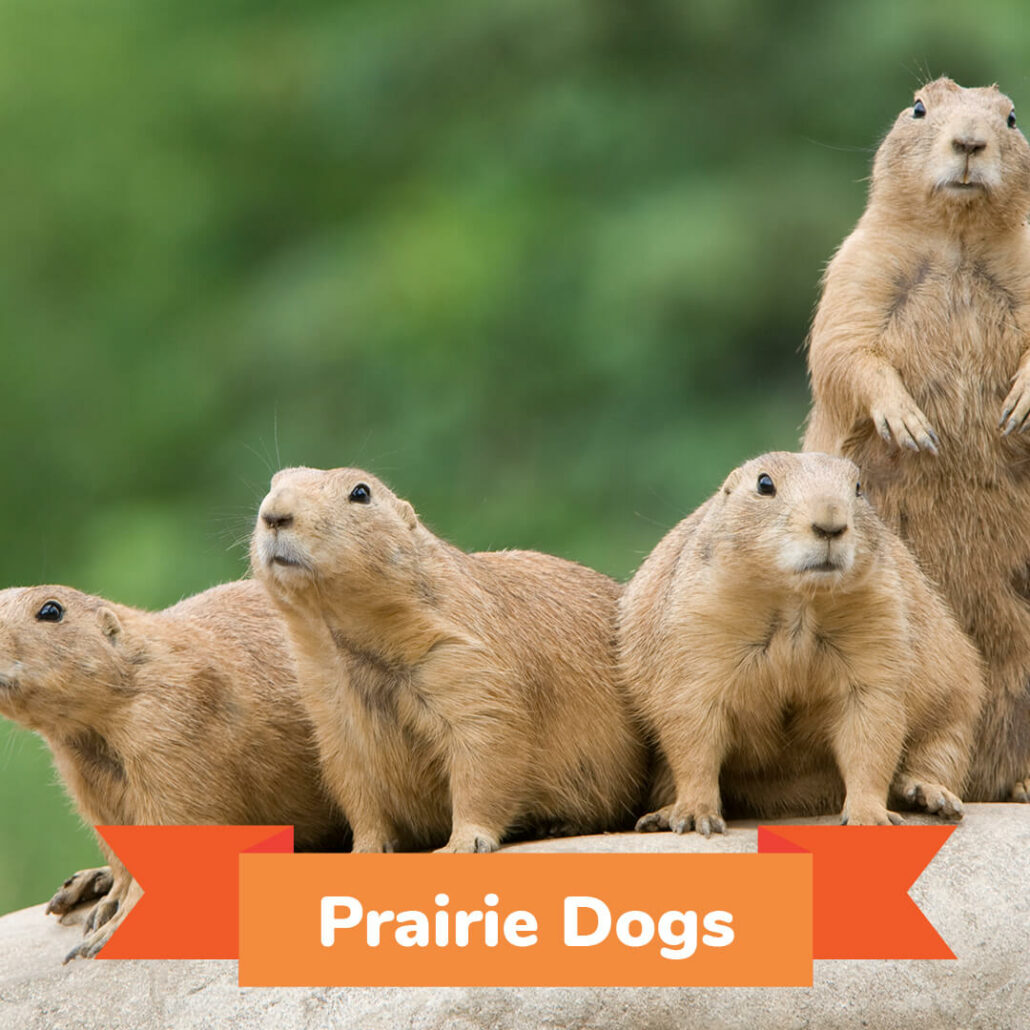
(895, 415)
(487, 768)
(853, 378)
(867, 743)
(90, 885)
(694, 749)
(1016, 408)
(106, 908)
(106, 885)
(374, 840)
(364, 759)
(371, 828)
(99, 934)
(899, 419)
(81, 887)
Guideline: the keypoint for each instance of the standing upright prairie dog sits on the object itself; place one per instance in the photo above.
(783, 639)
(189, 715)
(456, 697)
(920, 374)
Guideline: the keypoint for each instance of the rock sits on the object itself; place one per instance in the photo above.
(974, 892)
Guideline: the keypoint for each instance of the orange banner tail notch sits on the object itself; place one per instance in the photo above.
(190, 881)
(861, 879)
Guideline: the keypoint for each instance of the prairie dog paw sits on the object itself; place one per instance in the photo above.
(654, 822)
(85, 885)
(470, 840)
(900, 421)
(682, 818)
(1017, 405)
(91, 945)
(100, 914)
(936, 799)
(1021, 790)
(866, 813)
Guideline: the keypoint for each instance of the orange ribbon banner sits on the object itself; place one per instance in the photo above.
(860, 887)
(189, 876)
(526, 919)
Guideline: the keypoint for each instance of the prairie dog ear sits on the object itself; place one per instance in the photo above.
(731, 481)
(408, 514)
(109, 623)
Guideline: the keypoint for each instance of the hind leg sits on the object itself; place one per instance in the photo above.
(933, 773)
(1000, 755)
(935, 766)
(1019, 748)
(934, 798)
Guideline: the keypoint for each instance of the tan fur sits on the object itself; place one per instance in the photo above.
(771, 640)
(457, 697)
(920, 374)
(189, 715)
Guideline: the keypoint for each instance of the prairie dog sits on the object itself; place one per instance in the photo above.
(456, 697)
(920, 374)
(189, 715)
(782, 633)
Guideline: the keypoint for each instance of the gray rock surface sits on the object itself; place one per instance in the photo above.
(975, 892)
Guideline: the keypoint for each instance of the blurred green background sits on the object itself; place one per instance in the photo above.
(545, 267)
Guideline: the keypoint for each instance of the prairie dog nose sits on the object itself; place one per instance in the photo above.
(276, 510)
(967, 144)
(829, 520)
(275, 520)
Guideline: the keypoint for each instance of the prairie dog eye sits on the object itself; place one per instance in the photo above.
(51, 611)
(766, 487)
(919, 109)
(1011, 120)
(360, 494)
(858, 489)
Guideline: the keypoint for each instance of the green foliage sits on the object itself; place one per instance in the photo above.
(545, 267)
